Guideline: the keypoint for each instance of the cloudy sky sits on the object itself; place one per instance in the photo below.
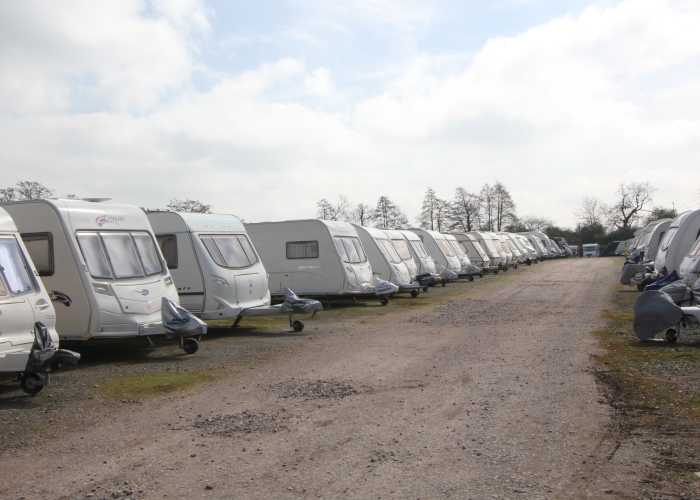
(261, 108)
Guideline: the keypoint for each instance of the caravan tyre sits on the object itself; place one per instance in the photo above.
(425, 289)
(298, 326)
(383, 301)
(190, 346)
(32, 383)
(414, 293)
(671, 336)
(471, 278)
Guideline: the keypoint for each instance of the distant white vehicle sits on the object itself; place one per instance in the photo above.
(590, 250)
(492, 246)
(28, 338)
(386, 262)
(316, 258)
(475, 251)
(426, 270)
(102, 267)
(469, 270)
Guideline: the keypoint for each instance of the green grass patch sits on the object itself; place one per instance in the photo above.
(146, 385)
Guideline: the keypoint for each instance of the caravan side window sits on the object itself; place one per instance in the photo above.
(40, 248)
(302, 249)
(14, 267)
(168, 245)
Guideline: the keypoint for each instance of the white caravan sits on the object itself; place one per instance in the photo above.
(316, 258)
(386, 262)
(679, 238)
(469, 270)
(102, 267)
(654, 239)
(477, 254)
(689, 270)
(503, 245)
(526, 244)
(539, 245)
(518, 256)
(426, 270)
(448, 264)
(491, 245)
(217, 271)
(28, 337)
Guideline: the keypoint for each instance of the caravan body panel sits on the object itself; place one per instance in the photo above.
(385, 260)
(677, 242)
(313, 257)
(440, 250)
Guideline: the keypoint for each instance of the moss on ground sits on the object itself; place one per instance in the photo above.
(146, 385)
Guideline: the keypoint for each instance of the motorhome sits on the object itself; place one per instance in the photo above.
(217, 271)
(316, 258)
(102, 267)
(426, 270)
(679, 238)
(28, 337)
(448, 264)
(469, 270)
(386, 262)
(477, 254)
(591, 250)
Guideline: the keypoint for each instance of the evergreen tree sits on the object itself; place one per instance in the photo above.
(387, 215)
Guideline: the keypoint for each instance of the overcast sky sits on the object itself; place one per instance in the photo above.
(261, 108)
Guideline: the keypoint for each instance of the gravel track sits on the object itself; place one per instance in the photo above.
(490, 395)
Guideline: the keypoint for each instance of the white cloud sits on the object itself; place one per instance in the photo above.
(565, 110)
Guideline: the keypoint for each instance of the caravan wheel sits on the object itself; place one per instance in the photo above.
(471, 278)
(298, 326)
(414, 293)
(383, 301)
(190, 346)
(671, 336)
(32, 383)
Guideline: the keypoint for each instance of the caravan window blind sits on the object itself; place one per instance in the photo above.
(121, 253)
(14, 268)
(94, 254)
(40, 248)
(302, 249)
(149, 253)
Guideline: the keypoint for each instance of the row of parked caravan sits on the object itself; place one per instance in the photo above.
(83, 270)
(663, 261)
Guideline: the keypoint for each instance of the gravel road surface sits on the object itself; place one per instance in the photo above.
(489, 395)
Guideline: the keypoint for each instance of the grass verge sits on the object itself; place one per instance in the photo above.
(654, 390)
(146, 385)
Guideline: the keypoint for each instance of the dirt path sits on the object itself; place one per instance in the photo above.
(487, 396)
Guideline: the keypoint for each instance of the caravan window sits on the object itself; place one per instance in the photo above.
(401, 247)
(457, 248)
(119, 255)
(40, 248)
(418, 247)
(232, 250)
(14, 267)
(350, 249)
(695, 251)
(302, 249)
(149, 253)
(389, 251)
(94, 255)
(446, 248)
(168, 245)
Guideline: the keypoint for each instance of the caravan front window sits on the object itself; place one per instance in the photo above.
(401, 247)
(446, 248)
(389, 251)
(119, 255)
(350, 249)
(418, 247)
(14, 267)
(668, 238)
(231, 250)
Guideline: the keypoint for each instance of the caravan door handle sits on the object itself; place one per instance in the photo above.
(42, 304)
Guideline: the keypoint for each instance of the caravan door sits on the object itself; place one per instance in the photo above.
(17, 288)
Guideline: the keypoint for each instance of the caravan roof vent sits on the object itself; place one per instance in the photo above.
(95, 199)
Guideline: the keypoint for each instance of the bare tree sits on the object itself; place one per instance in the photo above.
(488, 209)
(7, 195)
(326, 210)
(433, 211)
(504, 206)
(632, 198)
(532, 223)
(387, 215)
(188, 205)
(362, 214)
(591, 212)
(658, 213)
(32, 190)
(465, 210)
